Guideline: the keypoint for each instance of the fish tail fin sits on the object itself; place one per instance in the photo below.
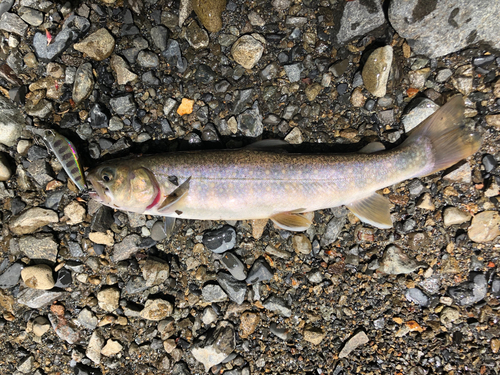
(450, 140)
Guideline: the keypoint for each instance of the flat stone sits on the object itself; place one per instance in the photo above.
(155, 271)
(11, 122)
(332, 230)
(260, 271)
(94, 347)
(485, 227)
(376, 71)
(247, 51)
(220, 240)
(10, 277)
(453, 216)
(355, 341)
(359, 18)
(156, 309)
(419, 112)
(416, 296)
(98, 46)
(248, 323)
(196, 36)
(63, 328)
(12, 23)
(84, 82)
(87, 319)
(108, 299)
(234, 265)
(293, 71)
(314, 335)
(37, 298)
(215, 346)
(126, 248)
(123, 73)
(102, 238)
(123, 105)
(236, 290)
(40, 247)
(470, 292)
(461, 174)
(278, 305)
(38, 277)
(75, 213)
(396, 262)
(442, 27)
(111, 348)
(40, 326)
(213, 293)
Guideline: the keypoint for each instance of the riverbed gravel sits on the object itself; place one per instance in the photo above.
(85, 289)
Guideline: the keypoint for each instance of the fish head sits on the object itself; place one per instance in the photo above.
(124, 187)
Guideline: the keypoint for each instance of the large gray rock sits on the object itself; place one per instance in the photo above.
(436, 28)
(359, 18)
(11, 122)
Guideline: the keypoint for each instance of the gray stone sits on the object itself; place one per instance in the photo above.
(5, 6)
(213, 293)
(443, 75)
(159, 34)
(40, 247)
(31, 16)
(123, 105)
(41, 109)
(87, 319)
(126, 248)
(11, 122)
(11, 23)
(293, 71)
(73, 28)
(173, 55)
(250, 122)
(38, 298)
(359, 18)
(358, 339)
(63, 327)
(215, 346)
(420, 110)
(416, 296)
(439, 28)
(470, 292)
(332, 230)
(136, 284)
(234, 265)
(148, 59)
(260, 271)
(10, 277)
(236, 290)
(396, 262)
(84, 82)
(220, 240)
(278, 305)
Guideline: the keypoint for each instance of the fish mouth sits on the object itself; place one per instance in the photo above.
(101, 193)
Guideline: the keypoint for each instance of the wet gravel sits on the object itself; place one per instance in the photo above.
(85, 289)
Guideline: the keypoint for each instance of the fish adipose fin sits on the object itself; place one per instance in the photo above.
(451, 141)
(292, 221)
(374, 210)
(175, 196)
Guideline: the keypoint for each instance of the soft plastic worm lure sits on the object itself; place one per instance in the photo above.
(65, 152)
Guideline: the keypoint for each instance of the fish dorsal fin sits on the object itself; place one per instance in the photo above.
(175, 196)
(276, 145)
(292, 221)
(372, 147)
(374, 210)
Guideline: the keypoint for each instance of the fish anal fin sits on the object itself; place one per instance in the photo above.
(374, 210)
(370, 148)
(175, 196)
(292, 221)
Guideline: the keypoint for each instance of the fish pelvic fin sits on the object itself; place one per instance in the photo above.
(174, 197)
(451, 141)
(374, 210)
(292, 221)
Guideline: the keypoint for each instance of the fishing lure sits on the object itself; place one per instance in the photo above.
(65, 152)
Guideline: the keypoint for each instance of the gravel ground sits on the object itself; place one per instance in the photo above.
(85, 289)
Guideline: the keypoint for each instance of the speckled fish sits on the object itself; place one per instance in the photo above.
(65, 152)
(257, 184)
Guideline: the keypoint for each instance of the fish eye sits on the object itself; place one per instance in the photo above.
(107, 175)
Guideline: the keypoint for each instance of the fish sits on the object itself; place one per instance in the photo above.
(65, 152)
(263, 182)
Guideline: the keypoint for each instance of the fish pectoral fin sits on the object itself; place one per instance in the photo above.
(292, 221)
(370, 148)
(175, 196)
(374, 210)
